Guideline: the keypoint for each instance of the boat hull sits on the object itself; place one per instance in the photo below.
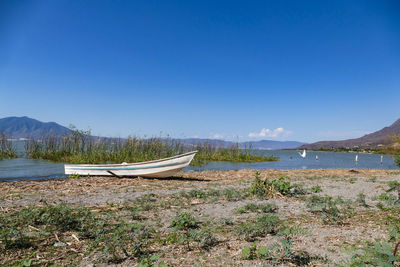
(157, 168)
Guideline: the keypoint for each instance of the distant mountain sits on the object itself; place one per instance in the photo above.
(24, 127)
(375, 139)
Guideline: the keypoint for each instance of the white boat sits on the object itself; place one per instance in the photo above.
(156, 168)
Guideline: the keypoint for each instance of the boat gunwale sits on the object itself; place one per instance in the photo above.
(131, 164)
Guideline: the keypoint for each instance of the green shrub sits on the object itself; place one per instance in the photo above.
(264, 224)
(327, 207)
(184, 221)
(197, 194)
(316, 189)
(277, 253)
(188, 230)
(387, 201)
(231, 194)
(269, 188)
(375, 254)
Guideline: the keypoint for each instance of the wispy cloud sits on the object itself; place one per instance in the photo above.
(278, 132)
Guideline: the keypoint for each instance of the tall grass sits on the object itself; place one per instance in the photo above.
(81, 147)
(210, 152)
(7, 148)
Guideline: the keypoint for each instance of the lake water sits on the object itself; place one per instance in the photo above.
(26, 169)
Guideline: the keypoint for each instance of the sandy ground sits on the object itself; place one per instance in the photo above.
(325, 241)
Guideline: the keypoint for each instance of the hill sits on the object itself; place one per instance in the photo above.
(372, 140)
(24, 127)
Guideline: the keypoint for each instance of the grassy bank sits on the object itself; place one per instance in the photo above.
(7, 148)
(225, 218)
(80, 147)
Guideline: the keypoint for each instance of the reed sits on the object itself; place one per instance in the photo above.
(81, 147)
(7, 148)
(210, 152)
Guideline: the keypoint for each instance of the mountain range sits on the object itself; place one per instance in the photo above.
(25, 128)
(372, 140)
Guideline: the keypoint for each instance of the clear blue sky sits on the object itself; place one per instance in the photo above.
(232, 69)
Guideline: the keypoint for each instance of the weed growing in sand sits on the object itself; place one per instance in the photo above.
(263, 225)
(269, 188)
(361, 200)
(328, 208)
(212, 195)
(280, 252)
(352, 180)
(386, 201)
(379, 253)
(150, 261)
(316, 189)
(252, 207)
(187, 229)
(394, 186)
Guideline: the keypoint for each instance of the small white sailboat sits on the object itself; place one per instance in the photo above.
(156, 168)
(381, 159)
(356, 159)
(304, 154)
(316, 157)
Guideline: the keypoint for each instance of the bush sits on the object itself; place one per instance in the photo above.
(316, 189)
(277, 253)
(327, 207)
(188, 226)
(266, 188)
(264, 224)
(375, 254)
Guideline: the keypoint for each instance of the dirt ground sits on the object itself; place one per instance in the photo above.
(327, 244)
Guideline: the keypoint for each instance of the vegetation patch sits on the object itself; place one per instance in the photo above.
(7, 148)
(331, 210)
(379, 252)
(42, 228)
(252, 207)
(81, 147)
(187, 229)
(269, 188)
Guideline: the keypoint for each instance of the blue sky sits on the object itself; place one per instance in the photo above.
(237, 70)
